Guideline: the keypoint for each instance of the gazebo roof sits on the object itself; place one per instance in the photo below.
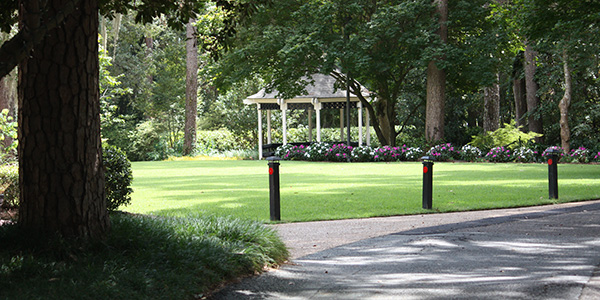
(322, 89)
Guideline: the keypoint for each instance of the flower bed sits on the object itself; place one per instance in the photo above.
(441, 152)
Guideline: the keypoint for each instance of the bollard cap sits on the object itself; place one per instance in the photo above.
(427, 158)
(274, 159)
(554, 151)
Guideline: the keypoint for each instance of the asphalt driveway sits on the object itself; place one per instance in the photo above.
(548, 252)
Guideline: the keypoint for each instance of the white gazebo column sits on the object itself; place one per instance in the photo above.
(360, 123)
(269, 139)
(310, 125)
(260, 133)
(317, 105)
(368, 129)
(283, 106)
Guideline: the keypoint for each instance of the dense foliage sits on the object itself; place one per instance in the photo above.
(118, 177)
(143, 258)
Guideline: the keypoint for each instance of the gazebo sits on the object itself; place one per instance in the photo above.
(319, 95)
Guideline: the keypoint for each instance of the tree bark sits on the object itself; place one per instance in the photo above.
(436, 85)
(191, 89)
(565, 102)
(531, 86)
(491, 107)
(116, 29)
(519, 94)
(60, 156)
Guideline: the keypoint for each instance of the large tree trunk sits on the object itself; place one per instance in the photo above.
(60, 155)
(491, 107)
(565, 102)
(531, 86)
(191, 89)
(385, 120)
(436, 85)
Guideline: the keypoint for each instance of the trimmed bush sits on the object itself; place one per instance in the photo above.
(118, 177)
(339, 152)
(317, 151)
(524, 155)
(499, 154)
(443, 152)
(363, 154)
(579, 155)
(9, 185)
(470, 153)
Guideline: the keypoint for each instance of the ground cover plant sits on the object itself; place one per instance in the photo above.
(143, 258)
(324, 190)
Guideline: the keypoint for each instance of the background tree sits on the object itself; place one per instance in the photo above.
(436, 82)
(191, 88)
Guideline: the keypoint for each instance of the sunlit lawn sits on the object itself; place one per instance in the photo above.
(321, 191)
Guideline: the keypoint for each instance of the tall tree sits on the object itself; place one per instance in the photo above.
(531, 87)
(491, 106)
(436, 83)
(520, 98)
(60, 159)
(191, 88)
(386, 42)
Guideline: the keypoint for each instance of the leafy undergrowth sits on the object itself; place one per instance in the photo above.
(143, 258)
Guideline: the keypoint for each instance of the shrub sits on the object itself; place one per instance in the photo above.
(8, 132)
(9, 184)
(510, 136)
(470, 153)
(413, 154)
(524, 154)
(339, 152)
(443, 152)
(363, 154)
(498, 154)
(118, 177)
(597, 157)
(316, 151)
(580, 155)
(387, 153)
(290, 152)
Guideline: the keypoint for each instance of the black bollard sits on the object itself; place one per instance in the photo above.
(274, 196)
(554, 156)
(427, 182)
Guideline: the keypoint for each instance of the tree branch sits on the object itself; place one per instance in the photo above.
(18, 47)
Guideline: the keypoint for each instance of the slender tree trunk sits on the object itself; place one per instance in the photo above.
(519, 94)
(436, 85)
(565, 102)
(191, 103)
(116, 29)
(491, 107)
(103, 33)
(531, 86)
(60, 156)
(149, 48)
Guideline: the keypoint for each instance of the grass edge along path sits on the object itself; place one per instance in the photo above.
(143, 258)
(312, 191)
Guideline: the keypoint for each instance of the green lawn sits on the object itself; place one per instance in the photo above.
(323, 191)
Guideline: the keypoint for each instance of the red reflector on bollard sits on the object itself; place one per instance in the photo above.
(425, 169)
(270, 171)
(550, 161)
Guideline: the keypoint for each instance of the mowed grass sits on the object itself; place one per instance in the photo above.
(326, 191)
